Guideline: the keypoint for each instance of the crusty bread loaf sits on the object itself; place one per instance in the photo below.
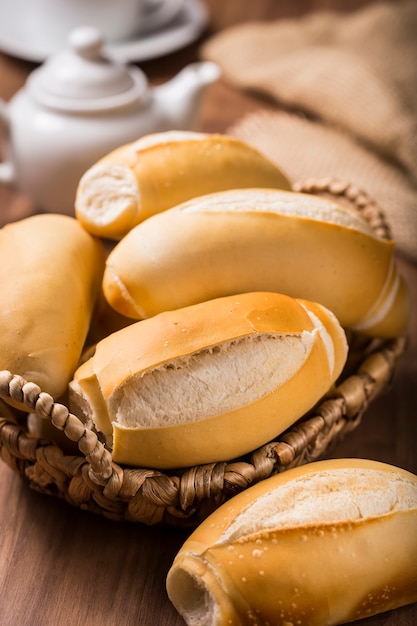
(208, 382)
(50, 275)
(267, 240)
(323, 544)
(161, 170)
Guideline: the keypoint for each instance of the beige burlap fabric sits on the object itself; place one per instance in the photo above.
(348, 86)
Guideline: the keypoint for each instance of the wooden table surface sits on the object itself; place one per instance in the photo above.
(60, 566)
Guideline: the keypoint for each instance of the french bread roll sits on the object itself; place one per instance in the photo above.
(322, 544)
(208, 382)
(51, 270)
(163, 169)
(260, 240)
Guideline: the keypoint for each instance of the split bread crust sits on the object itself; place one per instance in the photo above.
(161, 170)
(208, 382)
(245, 240)
(323, 544)
(51, 271)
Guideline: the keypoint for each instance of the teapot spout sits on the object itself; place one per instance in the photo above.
(179, 100)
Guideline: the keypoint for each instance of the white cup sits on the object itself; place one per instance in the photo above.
(115, 19)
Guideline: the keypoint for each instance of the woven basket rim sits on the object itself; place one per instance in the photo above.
(92, 481)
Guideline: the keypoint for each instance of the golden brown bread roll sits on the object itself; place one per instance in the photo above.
(322, 544)
(161, 170)
(260, 240)
(50, 275)
(208, 382)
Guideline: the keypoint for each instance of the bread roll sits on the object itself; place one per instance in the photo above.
(50, 274)
(323, 544)
(260, 240)
(208, 382)
(163, 169)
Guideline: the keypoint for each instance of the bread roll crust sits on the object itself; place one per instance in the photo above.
(163, 169)
(259, 240)
(304, 572)
(180, 338)
(50, 275)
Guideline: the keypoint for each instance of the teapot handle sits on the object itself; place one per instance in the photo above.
(7, 174)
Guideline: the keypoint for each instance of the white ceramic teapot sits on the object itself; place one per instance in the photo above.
(78, 106)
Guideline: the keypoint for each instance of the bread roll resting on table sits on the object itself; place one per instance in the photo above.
(208, 382)
(51, 270)
(322, 544)
(260, 240)
(161, 170)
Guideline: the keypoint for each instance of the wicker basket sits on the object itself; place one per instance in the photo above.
(90, 480)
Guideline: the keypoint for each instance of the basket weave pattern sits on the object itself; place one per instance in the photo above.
(90, 479)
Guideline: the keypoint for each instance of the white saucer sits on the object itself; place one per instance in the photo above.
(18, 40)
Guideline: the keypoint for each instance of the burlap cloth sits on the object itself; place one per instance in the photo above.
(344, 89)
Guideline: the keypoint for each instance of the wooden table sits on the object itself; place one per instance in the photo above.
(60, 566)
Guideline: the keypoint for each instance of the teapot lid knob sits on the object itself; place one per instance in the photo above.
(82, 78)
(87, 42)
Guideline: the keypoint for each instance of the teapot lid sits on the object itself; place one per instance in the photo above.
(82, 79)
